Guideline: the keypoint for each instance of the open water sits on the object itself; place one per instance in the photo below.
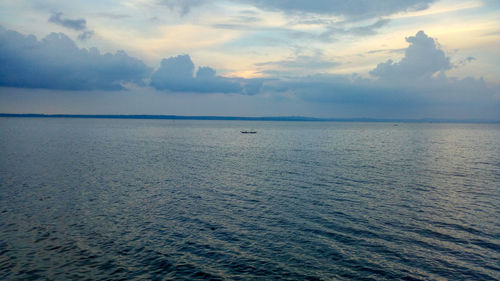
(187, 200)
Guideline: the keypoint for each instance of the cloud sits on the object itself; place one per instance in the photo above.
(418, 80)
(55, 62)
(364, 30)
(241, 22)
(463, 62)
(75, 24)
(369, 29)
(399, 50)
(115, 16)
(331, 31)
(177, 74)
(300, 63)
(86, 35)
(303, 62)
(351, 9)
(422, 60)
(325, 28)
(183, 6)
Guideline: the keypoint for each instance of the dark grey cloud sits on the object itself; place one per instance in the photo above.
(351, 9)
(75, 24)
(177, 74)
(55, 62)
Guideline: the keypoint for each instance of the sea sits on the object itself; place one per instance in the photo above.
(124, 199)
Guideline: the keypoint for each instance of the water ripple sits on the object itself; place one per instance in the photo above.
(197, 200)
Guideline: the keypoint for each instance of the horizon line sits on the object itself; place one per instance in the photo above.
(247, 118)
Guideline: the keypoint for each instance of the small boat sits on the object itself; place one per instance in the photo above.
(249, 132)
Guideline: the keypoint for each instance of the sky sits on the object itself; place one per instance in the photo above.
(318, 58)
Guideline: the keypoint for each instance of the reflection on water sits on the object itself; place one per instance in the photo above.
(157, 199)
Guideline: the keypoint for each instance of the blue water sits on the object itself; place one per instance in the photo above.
(187, 200)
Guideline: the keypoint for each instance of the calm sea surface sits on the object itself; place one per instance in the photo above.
(164, 199)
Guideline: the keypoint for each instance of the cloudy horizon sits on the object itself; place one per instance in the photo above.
(376, 59)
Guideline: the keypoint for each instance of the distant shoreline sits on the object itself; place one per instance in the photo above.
(243, 118)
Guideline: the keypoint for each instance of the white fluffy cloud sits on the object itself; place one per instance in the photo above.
(423, 58)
